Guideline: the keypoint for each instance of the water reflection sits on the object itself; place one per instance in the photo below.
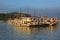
(36, 33)
(15, 32)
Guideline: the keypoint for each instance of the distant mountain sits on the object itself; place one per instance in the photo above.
(12, 15)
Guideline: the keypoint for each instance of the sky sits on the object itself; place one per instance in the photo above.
(12, 5)
(30, 3)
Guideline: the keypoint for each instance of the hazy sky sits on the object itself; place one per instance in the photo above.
(8, 4)
(12, 5)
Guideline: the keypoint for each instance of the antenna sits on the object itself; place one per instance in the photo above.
(58, 15)
(20, 10)
(34, 12)
(28, 10)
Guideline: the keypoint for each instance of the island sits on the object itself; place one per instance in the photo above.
(12, 15)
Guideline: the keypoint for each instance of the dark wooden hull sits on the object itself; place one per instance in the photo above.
(43, 25)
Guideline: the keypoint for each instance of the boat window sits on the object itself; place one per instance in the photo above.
(41, 20)
(38, 21)
(25, 22)
(48, 21)
(32, 21)
(35, 21)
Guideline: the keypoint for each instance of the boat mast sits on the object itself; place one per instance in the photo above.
(58, 15)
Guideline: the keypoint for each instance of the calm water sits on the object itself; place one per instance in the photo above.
(11, 32)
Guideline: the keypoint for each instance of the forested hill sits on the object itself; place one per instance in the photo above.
(12, 15)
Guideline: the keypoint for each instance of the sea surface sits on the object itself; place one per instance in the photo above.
(15, 32)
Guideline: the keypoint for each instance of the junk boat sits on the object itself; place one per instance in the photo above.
(37, 21)
(48, 21)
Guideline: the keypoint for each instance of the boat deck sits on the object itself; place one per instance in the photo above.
(28, 22)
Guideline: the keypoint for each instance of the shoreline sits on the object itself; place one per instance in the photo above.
(1, 21)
